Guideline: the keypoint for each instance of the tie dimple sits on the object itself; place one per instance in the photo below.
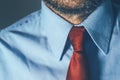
(76, 38)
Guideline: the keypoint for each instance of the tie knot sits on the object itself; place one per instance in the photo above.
(76, 38)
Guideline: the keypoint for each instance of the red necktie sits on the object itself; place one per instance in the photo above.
(77, 68)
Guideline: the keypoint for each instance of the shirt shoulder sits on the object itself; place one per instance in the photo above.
(25, 23)
(21, 30)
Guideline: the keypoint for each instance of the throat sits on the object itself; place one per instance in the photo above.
(74, 19)
(71, 18)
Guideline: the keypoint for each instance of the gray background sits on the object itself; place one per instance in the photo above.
(13, 10)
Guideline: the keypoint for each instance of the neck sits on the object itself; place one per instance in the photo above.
(72, 18)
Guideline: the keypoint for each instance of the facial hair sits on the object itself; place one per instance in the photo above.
(84, 8)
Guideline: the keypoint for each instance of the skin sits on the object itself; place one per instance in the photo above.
(74, 11)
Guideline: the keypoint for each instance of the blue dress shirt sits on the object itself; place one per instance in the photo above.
(37, 48)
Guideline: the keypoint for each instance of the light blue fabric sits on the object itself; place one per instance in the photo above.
(36, 47)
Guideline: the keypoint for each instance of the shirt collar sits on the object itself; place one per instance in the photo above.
(98, 24)
(56, 30)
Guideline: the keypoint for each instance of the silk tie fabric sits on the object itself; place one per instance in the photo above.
(78, 65)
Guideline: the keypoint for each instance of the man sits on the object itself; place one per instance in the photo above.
(38, 47)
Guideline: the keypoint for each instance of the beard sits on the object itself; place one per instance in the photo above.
(83, 7)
